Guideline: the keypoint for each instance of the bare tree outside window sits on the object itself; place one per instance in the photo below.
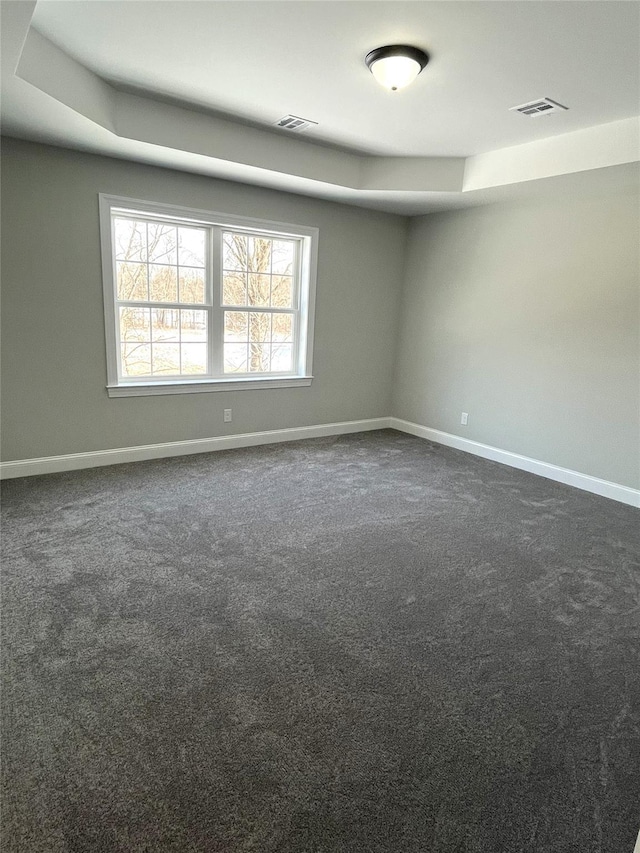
(258, 273)
(161, 263)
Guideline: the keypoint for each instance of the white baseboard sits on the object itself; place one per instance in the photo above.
(96, 458)
(605, 488)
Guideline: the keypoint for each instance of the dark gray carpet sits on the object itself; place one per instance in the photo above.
(364, 643)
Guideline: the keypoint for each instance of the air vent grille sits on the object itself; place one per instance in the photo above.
(541, 107)
(295, 123)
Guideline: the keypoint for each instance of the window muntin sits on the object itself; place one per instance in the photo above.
(204, 301)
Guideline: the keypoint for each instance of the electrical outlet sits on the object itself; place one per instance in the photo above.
(464, 418)
(228, 416)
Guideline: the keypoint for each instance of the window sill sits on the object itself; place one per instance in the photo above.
(200, 386)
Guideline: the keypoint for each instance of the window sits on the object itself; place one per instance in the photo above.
(198, 301)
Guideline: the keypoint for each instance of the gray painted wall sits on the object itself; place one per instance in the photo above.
(526, 316)
(54, 370)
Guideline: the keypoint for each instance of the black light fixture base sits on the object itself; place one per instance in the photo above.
(390, 50)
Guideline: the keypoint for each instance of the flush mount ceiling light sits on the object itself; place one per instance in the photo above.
(396, 65)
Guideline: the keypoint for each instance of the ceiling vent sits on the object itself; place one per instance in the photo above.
(541, 107)
(295, 123)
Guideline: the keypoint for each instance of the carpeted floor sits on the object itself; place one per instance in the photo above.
(363, 643)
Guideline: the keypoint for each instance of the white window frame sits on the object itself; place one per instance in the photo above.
(307, 261)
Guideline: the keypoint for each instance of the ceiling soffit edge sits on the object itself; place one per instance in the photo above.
(142, 119)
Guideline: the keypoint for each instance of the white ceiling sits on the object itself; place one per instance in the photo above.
(262, 60)
(210, 79)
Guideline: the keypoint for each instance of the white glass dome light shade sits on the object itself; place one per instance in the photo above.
(395, 72)
(395, 66)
